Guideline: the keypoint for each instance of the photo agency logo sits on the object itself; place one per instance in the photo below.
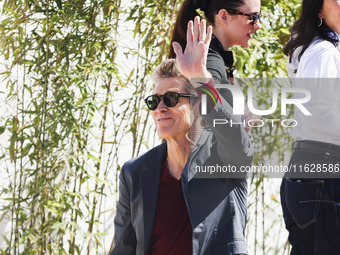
(204, 97)
(275, 107)
(294, 97)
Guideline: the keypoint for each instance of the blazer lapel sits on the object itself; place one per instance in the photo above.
(149, 180)
(197, 156)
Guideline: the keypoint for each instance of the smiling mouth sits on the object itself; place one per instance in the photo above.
(164, 119)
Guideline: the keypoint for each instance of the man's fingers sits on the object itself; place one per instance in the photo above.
(209, 34)
(202, 31)
(196, 29)
(190, 33)
(177, 49)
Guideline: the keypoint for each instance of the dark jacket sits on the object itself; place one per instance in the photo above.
(220, 65)
(217, 206)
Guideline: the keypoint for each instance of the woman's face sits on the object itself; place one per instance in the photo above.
(239, 28)
(330, 12)
(172, 122)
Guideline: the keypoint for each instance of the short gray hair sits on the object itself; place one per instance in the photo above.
(168, 69)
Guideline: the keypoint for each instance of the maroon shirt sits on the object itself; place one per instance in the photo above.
(172, 231)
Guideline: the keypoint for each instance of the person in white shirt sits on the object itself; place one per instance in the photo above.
(310, 193)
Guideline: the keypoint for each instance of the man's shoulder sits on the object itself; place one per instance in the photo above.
(137, 162)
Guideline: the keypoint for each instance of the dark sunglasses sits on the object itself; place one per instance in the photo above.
(170, 99)
(253, 17)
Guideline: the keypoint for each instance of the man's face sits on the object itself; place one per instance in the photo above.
(172, 122)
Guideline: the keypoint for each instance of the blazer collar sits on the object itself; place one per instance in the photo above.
(196, 156)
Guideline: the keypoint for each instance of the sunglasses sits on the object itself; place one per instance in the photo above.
(170, 99)
(253, 17)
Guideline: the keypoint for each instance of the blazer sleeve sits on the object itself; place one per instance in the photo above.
(215, 65)
(233, 143)
(125, 240)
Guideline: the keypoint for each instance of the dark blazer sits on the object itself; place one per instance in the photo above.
(217, 206)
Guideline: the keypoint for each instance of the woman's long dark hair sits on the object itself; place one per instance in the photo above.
(306, 28)
(188, 12)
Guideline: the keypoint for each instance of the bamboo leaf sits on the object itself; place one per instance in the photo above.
(93, 157)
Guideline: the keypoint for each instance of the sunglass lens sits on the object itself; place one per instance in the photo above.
(256, 18)
(170, 99)
(152, 102)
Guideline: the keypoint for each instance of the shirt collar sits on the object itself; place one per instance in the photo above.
(226, 55)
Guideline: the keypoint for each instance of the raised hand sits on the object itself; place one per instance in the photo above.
(192, 63)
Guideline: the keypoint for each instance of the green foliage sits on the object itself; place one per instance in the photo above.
(61, 75)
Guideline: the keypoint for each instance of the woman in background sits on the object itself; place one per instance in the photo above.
(311, 206)
(233, 22)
